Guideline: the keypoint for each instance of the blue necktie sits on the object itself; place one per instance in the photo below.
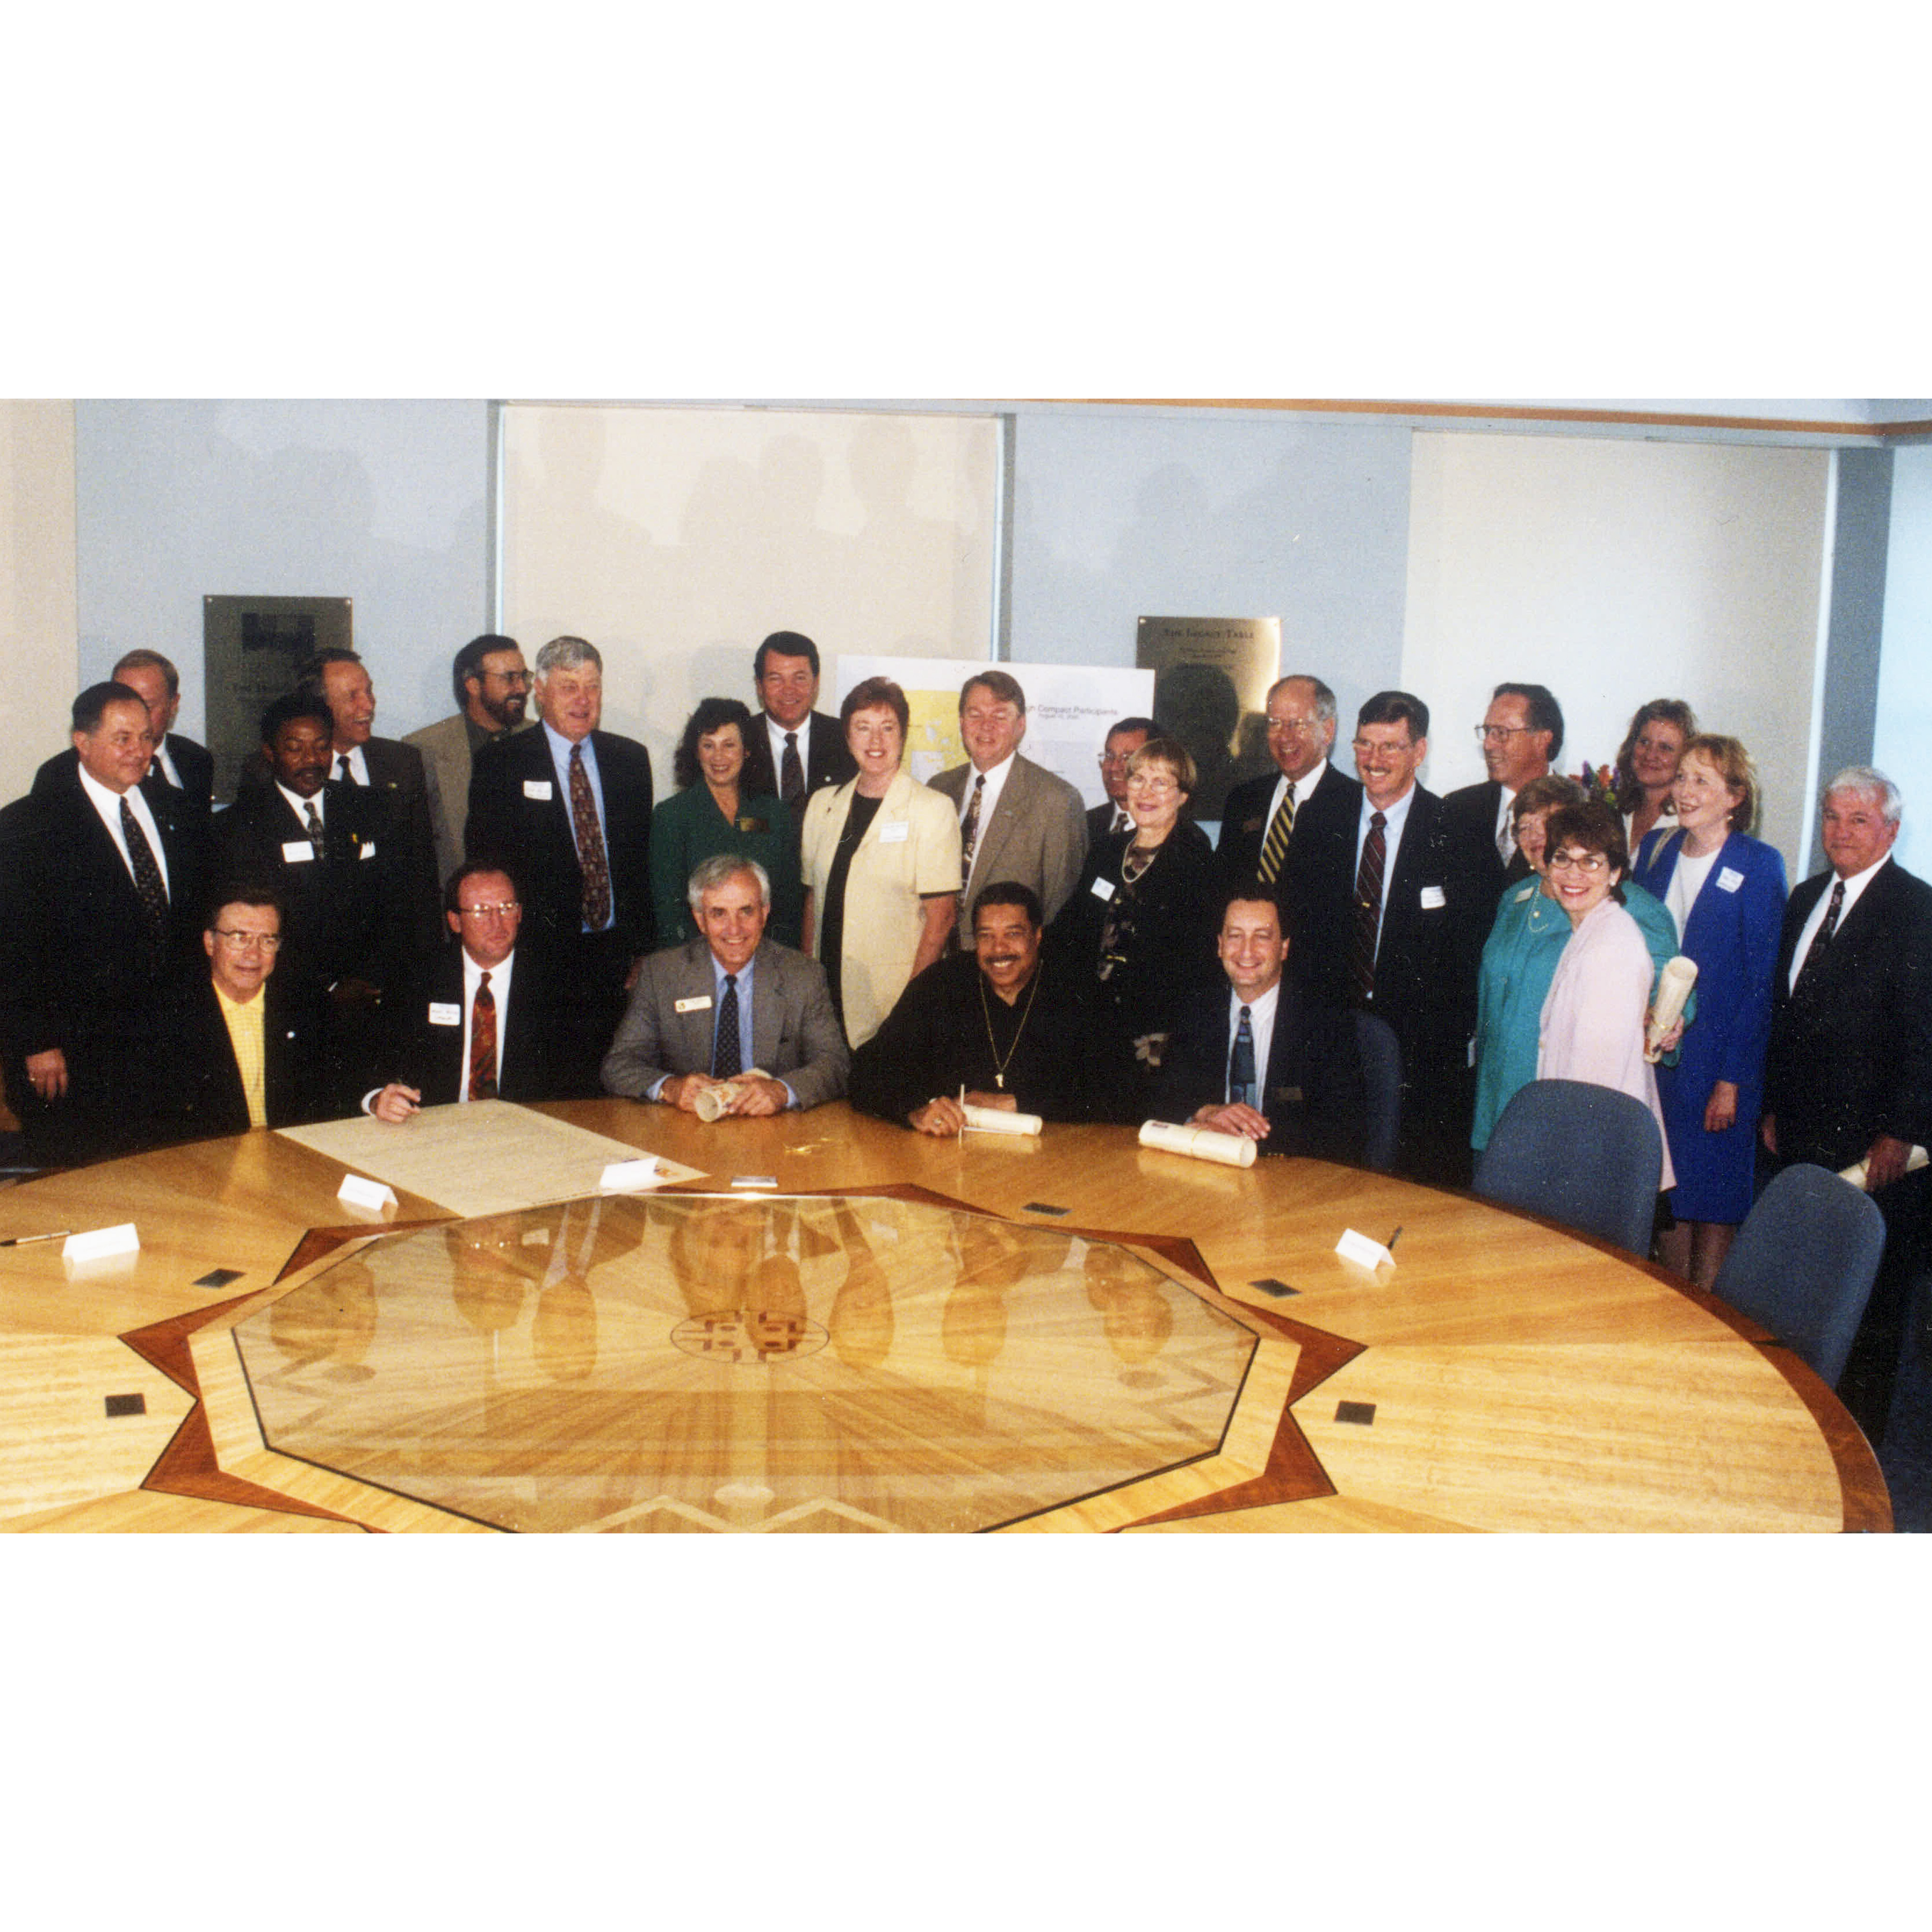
(725, 1064)
(1241, 1064)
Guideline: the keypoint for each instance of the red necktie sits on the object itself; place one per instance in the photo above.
(591, 859)
(483, 1043)
(1368, 909)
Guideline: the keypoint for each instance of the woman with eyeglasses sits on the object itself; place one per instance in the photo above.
(1142, 921)
(1726, 891)
(1593, 1016)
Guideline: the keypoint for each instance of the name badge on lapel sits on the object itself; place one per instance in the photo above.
(298, 851)
(701, 1004)
(445, 1013)
(1729, 881)
(895, 834)
(1432, 900)
(368, 850)
(1103, 889)
(539, 788)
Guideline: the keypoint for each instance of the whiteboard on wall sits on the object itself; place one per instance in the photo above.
(675, 538)
(1614, 573)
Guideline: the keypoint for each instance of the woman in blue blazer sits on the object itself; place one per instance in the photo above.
(1725, 890)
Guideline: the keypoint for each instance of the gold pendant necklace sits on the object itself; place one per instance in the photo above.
(992, 1046)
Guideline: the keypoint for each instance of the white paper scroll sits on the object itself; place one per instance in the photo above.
(1198, 1143)
(712, 1102)
(998, 1120)
(1855, 1174)
(1673, 989)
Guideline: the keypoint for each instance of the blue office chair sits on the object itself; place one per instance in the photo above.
(1584, 1155)
(1803, 1263)
(1381, 1077)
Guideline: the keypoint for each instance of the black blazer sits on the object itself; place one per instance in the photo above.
(430, 1057)
(1480, 876)
(831, 761)
(1244, 824)
(196, 768)
(1851, 1056)
(532, 835)
(1312, 1091)
(1100, 823)
(349, 914)
(206, 1098)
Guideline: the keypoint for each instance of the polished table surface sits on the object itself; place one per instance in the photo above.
(1162, 1344)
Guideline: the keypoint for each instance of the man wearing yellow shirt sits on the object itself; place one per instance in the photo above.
(250, 1053)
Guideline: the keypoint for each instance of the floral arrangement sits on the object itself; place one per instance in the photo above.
(1601, 784)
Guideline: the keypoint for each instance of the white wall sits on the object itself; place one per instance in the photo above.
(39, 628)
(1616, 572)
(1905, 677)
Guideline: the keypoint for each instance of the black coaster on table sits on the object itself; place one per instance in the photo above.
(127, 1405)
(218, 1278)
(1041, 1207)
(1269, 1285)
(1362, 1412)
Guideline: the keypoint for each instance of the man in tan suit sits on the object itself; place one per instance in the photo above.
(1017, 821)
(493, 685)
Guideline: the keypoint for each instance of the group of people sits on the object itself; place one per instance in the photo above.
(801, 919)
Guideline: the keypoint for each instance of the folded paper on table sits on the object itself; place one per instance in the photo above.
(1361, 1250)
(370, 1194)
(626, 1177)
(96, 1244)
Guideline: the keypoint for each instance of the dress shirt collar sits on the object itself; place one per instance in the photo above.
(996, 776)
(358, 765)
(299, 805)
(500, 978)
(107, 802)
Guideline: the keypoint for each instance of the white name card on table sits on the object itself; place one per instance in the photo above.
(1360, 1250)
(370, 1196)
(98, 1244)
(1198, 1143)
(626, 1177)
(998, 1120)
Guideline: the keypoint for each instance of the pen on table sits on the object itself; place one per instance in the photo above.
(27, 1240)
(1390, 1243)
(961, 1134)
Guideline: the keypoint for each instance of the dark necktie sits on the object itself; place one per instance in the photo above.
(343, 770)
(1123, 819)
(1274, 846)
(726, 1063)
(1821, 940)
(1368, 909)
(591, 860)
(147, 874)
(969, 831)
(1241, 1064)
(791, 774)
(318, 839)
(483, 1043)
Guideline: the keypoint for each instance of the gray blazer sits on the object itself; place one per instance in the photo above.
(1038, 836)
(445, 746)
(795, 1036)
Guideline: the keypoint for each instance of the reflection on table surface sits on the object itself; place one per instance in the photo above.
(706, 1362)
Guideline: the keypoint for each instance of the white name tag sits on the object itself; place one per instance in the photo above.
(1103, 889)
(1524, 892)
(1432, 900)
(445, 1013)
(702, 1004)
(537, 788)
(298, 851)
(369, 851)
(895, 834)
(1729, 881)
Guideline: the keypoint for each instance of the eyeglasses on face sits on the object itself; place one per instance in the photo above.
(1590, 863)
(240, 942)
(1501, 734)
(501, 909)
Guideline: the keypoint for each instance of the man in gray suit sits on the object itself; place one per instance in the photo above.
(493, 685)
(1017, 821)
(706, 1013)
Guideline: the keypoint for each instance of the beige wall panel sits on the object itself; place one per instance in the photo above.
(40, 633)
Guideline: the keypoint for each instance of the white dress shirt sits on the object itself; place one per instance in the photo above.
(996, 783)
(107, 803)
(1395, 816)
(1303, 789)
(1260, 1023)
(1854, 888)
(499, 991)
(358, 765)
(775, 733)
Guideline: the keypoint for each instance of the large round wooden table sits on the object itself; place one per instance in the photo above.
(1194, 1320)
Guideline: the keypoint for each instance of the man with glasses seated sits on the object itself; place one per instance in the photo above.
(1257, 821)
(481, 1025)
(247, 1049)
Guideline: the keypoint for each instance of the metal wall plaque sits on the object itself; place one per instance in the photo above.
(250, 648)
(1211, 678)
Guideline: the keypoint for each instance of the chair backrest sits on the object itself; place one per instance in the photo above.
(1584, 1155)
(1382, 1078)
(1804, 1262)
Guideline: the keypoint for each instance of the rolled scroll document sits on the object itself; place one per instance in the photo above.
(998, 1120)
(711, 1102)
(1198, 1143)
(1857, 1175)
(1673, 989)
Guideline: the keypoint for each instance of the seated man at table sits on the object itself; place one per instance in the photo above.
(730, 1001)
(996, 1022)
(1262, 1060)
(246, 1047)
(480, 1025)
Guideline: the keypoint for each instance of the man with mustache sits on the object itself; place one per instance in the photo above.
(995, 1021)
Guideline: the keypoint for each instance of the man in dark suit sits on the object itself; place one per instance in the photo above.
(1263, 1060)
(1122, 741)
(799, 749)
(1018, 822)
(1257, 821)
(477, 1025)
(566, 810)
(706, 1014)
(1848, 1076)
(1522, 738)
(100, 891)
(1371, 920)
(247, 1049)
(185, 769)
(328, 847)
